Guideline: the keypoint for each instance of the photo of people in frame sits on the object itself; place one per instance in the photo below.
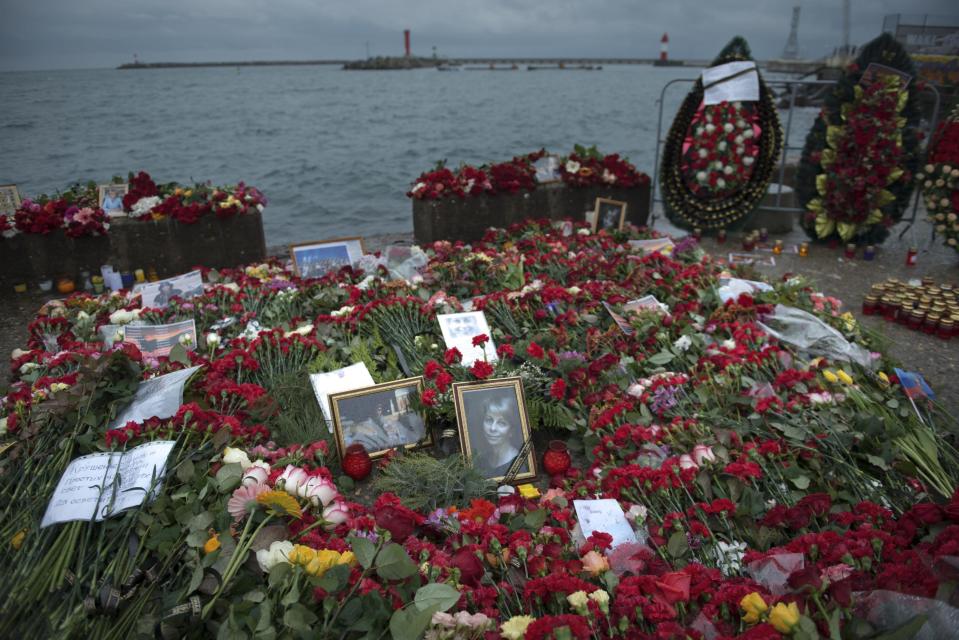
(111, 198)
(609, 215)
(380, 417)
(316, 259)
(494, 427)
(547, 169)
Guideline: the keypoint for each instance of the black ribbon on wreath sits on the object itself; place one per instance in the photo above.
(705, 208)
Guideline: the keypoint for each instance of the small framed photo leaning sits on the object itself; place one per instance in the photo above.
(609, 215)
(494, 428)
(381, 417)
(547, 169)
(9, 199)
(316, 259)
(110, 198)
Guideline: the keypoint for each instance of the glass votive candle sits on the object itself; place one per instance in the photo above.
(139, 275)
(763, 234)
(911, 256)
(946, 328)
(916, 318)
(804, 250)
(850, 251)
(721, 236)
(869, 253)
(778, 247)
(870, 305)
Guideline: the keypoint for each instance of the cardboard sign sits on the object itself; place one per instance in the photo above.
(159, 397)
(159, 340)
(605, 516)
(459, 329)
(100, 485)
(158, 294)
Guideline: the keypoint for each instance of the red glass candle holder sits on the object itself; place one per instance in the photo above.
(912, 256)
(356, 462)
(557, 460)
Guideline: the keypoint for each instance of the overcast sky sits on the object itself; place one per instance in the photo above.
(63, 34)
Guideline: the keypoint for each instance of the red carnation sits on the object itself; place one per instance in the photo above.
(452, 356)
(428, 397)
(558, 389)
(480, 340)
(481, 369)
(535, 351)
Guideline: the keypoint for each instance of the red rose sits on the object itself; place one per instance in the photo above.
(674, 586)
(926, 512)
(470, 566)
(398, 520)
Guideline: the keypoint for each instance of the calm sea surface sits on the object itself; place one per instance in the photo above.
(334, 151)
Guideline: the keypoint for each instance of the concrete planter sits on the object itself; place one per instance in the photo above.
(165, 245)
(468, 219)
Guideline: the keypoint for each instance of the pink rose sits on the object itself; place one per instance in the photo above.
(318, 491)
(686, 462)
(292, 479)
(255, 476)
(335, 513)
(703, 453)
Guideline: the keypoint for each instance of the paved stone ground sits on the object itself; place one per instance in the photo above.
(849, 281)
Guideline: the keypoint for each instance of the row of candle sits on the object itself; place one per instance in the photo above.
(927, 307)
(87, 282)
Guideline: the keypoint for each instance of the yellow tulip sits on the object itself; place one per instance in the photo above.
(830, 376)
(845, 377)
(884, 379)
(528, 491)
(347, 557)
(754, 607)
(784, 618)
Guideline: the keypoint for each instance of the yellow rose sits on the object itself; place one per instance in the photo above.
(884, 379)
(784, 617)
(347, 557)
(17, 540)
(830, 376)
(845, 377)
(301, 554)
(753, 607)
(515, 627)
(324, 559)
(528, 491)
(212, 544)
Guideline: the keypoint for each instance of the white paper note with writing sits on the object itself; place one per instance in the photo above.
(356, 376)
(158, 397)
(731, 82)
(605, 516)
(100, 485)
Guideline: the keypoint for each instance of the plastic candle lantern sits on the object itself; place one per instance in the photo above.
(356, 462)
(804, 250)
(556, 460)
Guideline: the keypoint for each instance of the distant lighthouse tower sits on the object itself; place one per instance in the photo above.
(406, 41)
(663, 60)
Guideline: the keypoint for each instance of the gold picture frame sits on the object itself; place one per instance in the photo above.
(329, 253)
(600, 214)
(101, 195)
(474, 402)
(9, 199)
(378, 430)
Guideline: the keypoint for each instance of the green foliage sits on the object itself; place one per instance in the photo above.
(424, 482)
(735, 49)
(298, 418)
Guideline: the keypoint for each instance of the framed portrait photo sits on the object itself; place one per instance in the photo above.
(380, 417)
(316, 259)
(547, 169)
(9, 199)
(494, 428)
(110, 198)
(609, 215)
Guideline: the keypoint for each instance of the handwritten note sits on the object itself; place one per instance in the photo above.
(158, 397)
(605, 516)
(100, 485)
(731, 82)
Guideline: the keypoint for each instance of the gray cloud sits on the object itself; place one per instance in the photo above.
(46, 34)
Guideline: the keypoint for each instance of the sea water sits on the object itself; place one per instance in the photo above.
(334, 151)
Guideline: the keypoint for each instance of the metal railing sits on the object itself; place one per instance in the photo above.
(792, 87)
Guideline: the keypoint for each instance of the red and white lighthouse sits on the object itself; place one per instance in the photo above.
(664, 49)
